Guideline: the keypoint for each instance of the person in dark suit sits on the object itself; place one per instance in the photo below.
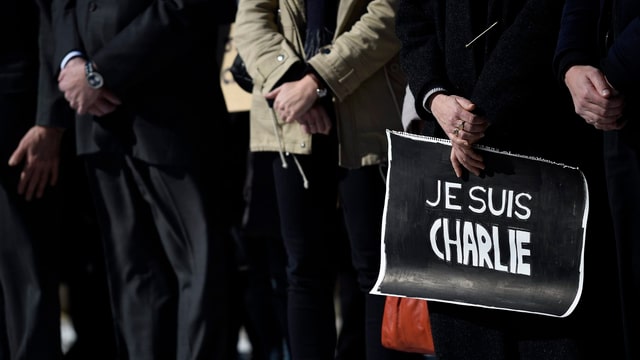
(29, 169)
(598, 57)
(151, 128)
(481, 73)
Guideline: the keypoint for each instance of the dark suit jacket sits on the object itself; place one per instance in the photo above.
(18, 72)
(53, 109)
(507, 72)
(158, 57)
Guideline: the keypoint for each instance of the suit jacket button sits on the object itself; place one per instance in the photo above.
(93, 6)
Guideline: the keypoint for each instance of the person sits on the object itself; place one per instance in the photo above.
(327, 85)
(150, 128)
(263, 260)
(30, 139)
(481, 73)
(597, 58)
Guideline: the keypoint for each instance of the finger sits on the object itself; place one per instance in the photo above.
(588, 117)
(325, 127)
(465, 103)
(17, 156)
(81, 109)
(95, 111)
(470, 138)
(111, 98)
(457, 167)
(601, 85)
(101, 108)
(468, 164)
(472, 164)
(475, 127)
(272, 94)
(311, 125)
(319, 122)
(41, 185)
(33, 185)
(470, 159)
(106, 106)
(472, 169)
(458, 142)
(24, 181)
(608, 126)
(476, 159)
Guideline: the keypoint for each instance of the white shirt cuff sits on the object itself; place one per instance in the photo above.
(68, 57)
(425, 100)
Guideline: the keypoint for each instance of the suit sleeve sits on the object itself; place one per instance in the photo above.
(575, 46)
(621, 64)
(63, 23)
(53, 110)
(149, 43)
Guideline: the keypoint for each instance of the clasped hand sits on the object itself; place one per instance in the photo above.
(297, 101)
(464, 128)
(594, 99)
(81, 97)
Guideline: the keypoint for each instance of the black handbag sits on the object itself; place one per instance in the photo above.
(240, 74)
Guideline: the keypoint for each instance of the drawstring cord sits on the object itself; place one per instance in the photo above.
(305, 181)
(277, 133)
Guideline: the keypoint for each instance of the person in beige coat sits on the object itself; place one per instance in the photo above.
(327, 86)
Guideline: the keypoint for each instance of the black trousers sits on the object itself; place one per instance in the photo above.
(29, 276)
(166, 260)
(623, 181)
(309, 229)
(30, 315)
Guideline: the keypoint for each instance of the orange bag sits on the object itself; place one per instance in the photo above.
(406, 325)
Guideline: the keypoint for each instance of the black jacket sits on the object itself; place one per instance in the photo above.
(159, 58)
(507, 72)
(18, 72)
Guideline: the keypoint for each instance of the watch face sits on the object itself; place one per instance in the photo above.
(95, 80)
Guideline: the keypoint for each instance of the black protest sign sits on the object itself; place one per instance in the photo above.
(511, 239)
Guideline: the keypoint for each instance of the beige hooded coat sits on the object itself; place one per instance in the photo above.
(360, 68)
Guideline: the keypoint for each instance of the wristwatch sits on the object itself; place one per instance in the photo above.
(94, 78)
(322, 92)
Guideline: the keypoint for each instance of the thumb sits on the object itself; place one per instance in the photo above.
(17, 156)
(272, 94)
(465, 103)
(601, 85)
